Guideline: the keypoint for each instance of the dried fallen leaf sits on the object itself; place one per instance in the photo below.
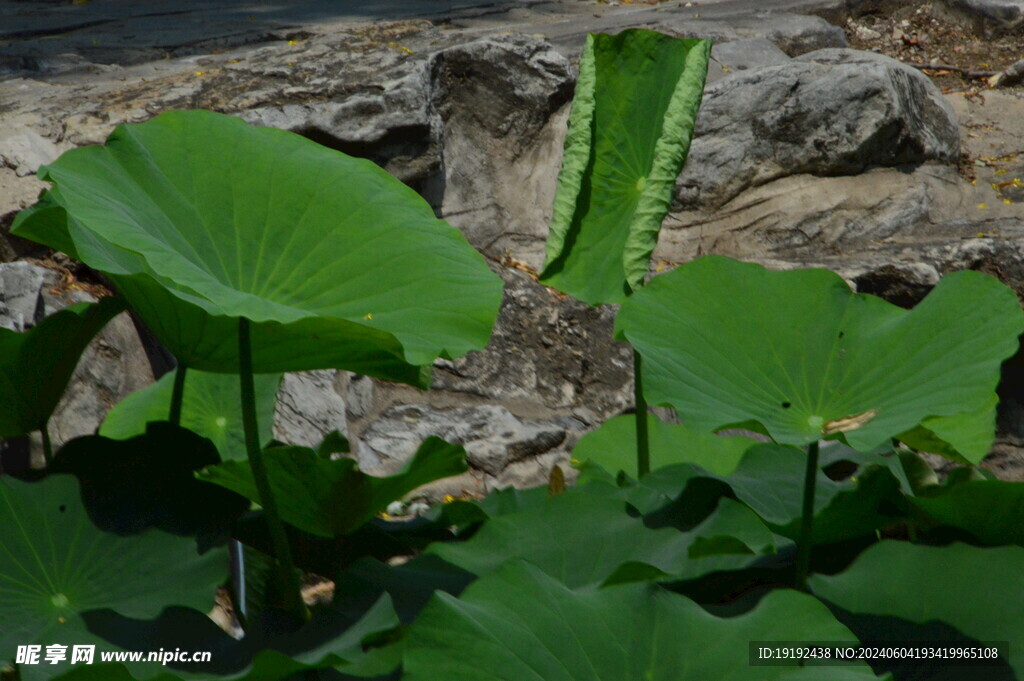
(848, 423)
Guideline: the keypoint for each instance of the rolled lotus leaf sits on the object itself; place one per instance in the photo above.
(632, 118)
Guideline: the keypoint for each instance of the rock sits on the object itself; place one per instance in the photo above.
(22, 303)
(988, 18)
(493, 437)
(112, 366)
(388, 121)
(308, 407)
(24, 149)
(547, 352)
(792, 31)
(830, 112)
(866, 34)
(502, 104)
(807, 216)
(743, 55)
(798, 34)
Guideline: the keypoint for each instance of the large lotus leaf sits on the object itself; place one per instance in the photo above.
(56, 566)
(210, 408)
(36, 365)
(331, 498)
(582, 538)
(201, 218)
(971, 429)
(330, 639)
(129, 486)
(797, 352)
(769, 480)
(992, 511)
(613, 446)
(629, 133)
(978, 591)
(410, 585)
(520, 624)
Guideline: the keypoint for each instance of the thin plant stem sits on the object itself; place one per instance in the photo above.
(177, 395)
(47, 445)
(236, 554)
(803, 547)
(278, 537)
(643, 450)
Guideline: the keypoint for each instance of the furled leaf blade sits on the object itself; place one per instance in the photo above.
(726, 342)
(633, 116)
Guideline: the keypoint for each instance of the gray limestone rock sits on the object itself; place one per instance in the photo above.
(830, 112)
(549, 351)
(501, 104)
(308, 407)
(493, 437)
(987, 18)
(114, 364)
(22, 305)
(24, 150)
(743, 55)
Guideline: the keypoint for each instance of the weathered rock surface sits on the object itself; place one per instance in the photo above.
(493, 437)
(499, 103)
(308, 408)
(114, 364)
(984, 17)
(830, 112)
(549, 353)
(743, 55)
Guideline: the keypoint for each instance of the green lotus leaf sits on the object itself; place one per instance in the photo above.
(58, 566)
(797, 352)
(330, 498)
(990, 510)
(582, 538)
(769, 480)
(201, 218)
(629, 133)
(972, 429)
(129, 486)
(36, 365)
(410, 585)
(613, 446)
(978, 591)
(209, 409)
(331, 639)
(520, 624)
